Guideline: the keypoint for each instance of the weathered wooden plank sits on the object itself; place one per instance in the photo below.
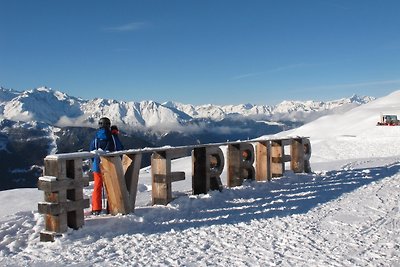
(56, 223)
(173, 177)
(75, 219)
(162, 177)
(262, 161)
(277, 150)
(281, 159)
(286, 158)
(68, 156)
(246, 165)
(48, 236)
(160, 201)
(114, 180)
(66, 184)
(74, 168)
(177, 176)
(277, 164)
(216, 163)
(57, 197)
(277, 170)
(297, 155)
(56, 168)
(75, 194)
(234, 160)
(88, 155)
(200, 178)
(285, 141)
(207, 166)
(307, 154)
(161, 189)
(240, 163)
(131, 165)
(176, 153)
(58, 208)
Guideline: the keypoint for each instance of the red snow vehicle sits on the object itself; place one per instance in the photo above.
(388, 120)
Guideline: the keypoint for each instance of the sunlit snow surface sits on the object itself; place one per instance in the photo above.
(346, 213)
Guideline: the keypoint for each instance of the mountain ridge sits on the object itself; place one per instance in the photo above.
(57, 108)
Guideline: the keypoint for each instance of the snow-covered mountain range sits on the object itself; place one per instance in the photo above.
(57, 108)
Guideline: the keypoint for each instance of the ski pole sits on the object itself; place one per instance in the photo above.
(103, 198)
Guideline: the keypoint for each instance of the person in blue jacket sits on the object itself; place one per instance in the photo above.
(103, 140)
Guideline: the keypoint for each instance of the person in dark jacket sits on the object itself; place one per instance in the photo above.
(102, 141)
(117, 142)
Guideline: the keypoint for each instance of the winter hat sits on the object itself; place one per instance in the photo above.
(104, 122)
(114, 129)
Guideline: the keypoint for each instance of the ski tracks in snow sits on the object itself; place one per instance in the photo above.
(19, 232)
(348, 217)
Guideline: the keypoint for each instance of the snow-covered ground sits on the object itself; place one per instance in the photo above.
(346, 213)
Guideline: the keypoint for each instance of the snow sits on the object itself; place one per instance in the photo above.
(345, 213)
(48, 178)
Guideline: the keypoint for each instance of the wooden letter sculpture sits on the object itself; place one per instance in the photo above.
(162, 177)
(207, 166)
(240, 163)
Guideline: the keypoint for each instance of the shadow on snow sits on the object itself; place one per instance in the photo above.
(291, 194)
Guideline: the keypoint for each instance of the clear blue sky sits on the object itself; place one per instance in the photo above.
(202, 51)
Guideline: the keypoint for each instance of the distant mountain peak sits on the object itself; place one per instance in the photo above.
(361, 99)
(44, 89)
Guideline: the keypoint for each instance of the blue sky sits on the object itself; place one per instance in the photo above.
(200, 52)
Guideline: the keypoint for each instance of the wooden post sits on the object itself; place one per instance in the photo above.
(57, 222)
(75, 218)
(240, 163)
(217, 163)
(234, 159)
(297, 155)
(63, 204)
(247, 163)
(262, 161)
(200, 174)
(54, 170)
(161, 181)
(207, 166)
(114, 181)
(121, 178)
(307, 155)
(162, 177)
(131, 164)
(277, 158)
